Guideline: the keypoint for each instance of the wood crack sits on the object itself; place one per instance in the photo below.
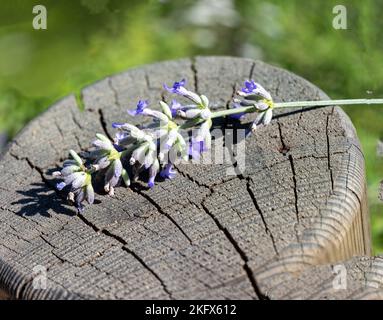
(139, 259)
(295, 186)
(126, 249)
(228, 235)
(328, 151)
(195, 74)
(284, 149)
(251, 70)
(53, 247)
(75, 121)
(258, 208)
(238, 249)
(160, 210)
(104, 231)
(103, 124)
(114, 91)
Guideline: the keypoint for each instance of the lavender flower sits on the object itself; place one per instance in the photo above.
(144, 157)
(168, 171)
(266, 113)
(121, 137)
(249, 87)
(141, 105)
(177, 108)
(142, 150)
(254, 91)
(203, 134)
(264, 118)
(107, 156)
(168, 132)
(153, 170)
(174, 107)
(79, 178)
(198, 114)
(144, 154)
(255, 95)
(112, 176)
(138, 144)
(143, 110)
(128, 134)
(179, 88)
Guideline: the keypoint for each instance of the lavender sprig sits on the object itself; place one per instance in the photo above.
(78, 178)
(158, 146)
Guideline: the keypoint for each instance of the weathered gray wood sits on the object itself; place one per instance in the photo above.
(300, 202)
(363, 279)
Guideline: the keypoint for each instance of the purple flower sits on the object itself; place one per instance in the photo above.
(171, 138)
(120, 135)
(178, 87)
(103, 145)
(250, 86)
(168, 171)
(78, 178)
(141, 105)
(112, 176)
(203, 133)
(153, 170)
(254, 91)
(80, 195)
(107, 155)
(151, 182)
(117, 125)
(118, 148)
(61, 186)
(175, 106)
(264, 118)
(201, 140)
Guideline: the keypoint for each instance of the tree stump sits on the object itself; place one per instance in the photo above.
(274, 231)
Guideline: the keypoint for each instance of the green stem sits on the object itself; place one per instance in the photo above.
(322, 103)
(228, 112)
(191, 123)
(296, 104)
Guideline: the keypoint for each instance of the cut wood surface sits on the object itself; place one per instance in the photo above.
(274, 230)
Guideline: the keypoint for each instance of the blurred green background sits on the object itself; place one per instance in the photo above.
(87, 40)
